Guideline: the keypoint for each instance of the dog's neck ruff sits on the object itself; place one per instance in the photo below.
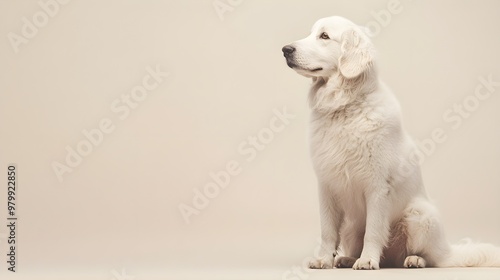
(328, 95)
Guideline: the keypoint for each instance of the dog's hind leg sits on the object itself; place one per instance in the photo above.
(426, 243)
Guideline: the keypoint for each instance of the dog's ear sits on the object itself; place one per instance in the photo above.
(356, 53)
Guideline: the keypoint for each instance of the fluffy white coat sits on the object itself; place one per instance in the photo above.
(373, 206)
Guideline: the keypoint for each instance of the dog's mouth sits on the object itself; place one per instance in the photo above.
(292, 65)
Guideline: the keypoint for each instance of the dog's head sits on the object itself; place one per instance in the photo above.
(334, 45)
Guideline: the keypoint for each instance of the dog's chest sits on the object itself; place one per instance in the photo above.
(342, 145)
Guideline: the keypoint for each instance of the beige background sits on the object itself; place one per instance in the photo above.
(119, 208)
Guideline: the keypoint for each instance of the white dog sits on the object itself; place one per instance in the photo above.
(374, 208)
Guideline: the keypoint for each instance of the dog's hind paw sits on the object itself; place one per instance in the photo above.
(344, 262)
(414, 262)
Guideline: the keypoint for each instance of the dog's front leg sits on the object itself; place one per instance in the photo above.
(377, 227)
(331, 219)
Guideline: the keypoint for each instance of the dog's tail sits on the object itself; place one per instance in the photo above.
(472, 254)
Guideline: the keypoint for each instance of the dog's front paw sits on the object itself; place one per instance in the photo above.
(364, 264)
(325, 262)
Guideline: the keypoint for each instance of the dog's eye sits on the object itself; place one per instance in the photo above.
(324, 36)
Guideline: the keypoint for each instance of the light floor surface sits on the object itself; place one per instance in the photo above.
(278, 274)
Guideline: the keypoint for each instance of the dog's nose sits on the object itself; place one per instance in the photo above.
(288, 50)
